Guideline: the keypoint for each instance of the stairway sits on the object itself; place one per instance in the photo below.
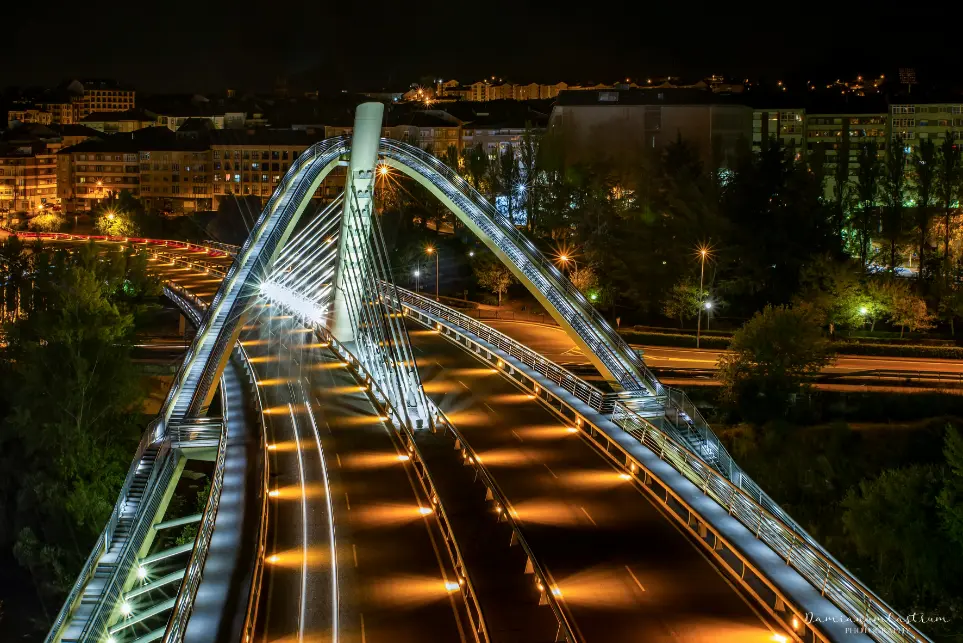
(98, 585)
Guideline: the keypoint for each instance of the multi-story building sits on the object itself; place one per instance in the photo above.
(62, 112)
(785, 125)
(126, 121)
(916, 120)
(841, 128)
(620, 125)
(28, 115)
(253, 162)
(28, 168)
(102, 96)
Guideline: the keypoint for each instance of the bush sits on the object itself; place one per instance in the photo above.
(674, 339)
(900, 350)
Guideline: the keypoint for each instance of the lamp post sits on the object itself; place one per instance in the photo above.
(703, 253)
(417, 280)
(431, 251)
(708, 313)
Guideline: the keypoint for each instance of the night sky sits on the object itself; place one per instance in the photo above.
(203, 46)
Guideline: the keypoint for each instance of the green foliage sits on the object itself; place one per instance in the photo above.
(898, 350)
(674, 339)
(492, 275)
(683, 301)
(71, 404)
(893, 521)
(771, 358)
(49, 222)
(951, 497)
(923, 164)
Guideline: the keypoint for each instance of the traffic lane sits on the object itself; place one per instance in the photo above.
(709, 359)
(624, 570)
(554, 343)
(392, 572)
(298, 566)
(549, 341)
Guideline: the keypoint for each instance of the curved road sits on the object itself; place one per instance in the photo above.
(625, 572)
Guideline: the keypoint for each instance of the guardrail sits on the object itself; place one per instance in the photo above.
(184, 605)
(747, 503)
(67, 236)
(544, 582)
(601, 402)
(177, 626)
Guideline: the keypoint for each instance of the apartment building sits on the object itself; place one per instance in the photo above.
(101, 96)
(915, 120)
(253, 162)
(485, 91)
(113, 122)
(28, 115)
(28, 175)
(620, 125)
(787, 125)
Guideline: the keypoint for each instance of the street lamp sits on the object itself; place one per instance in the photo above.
(430, 250)
(703, 252)
(708, 313)
(417, 281)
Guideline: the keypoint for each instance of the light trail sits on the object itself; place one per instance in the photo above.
(304, 527)
(327, 498)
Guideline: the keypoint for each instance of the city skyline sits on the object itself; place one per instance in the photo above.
(215, 50)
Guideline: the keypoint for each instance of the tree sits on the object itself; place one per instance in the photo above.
(894, 195)
(49, 222)
(115, 223)
(868, 173)
(907, 310)
(893, 522)
(832, 291)
(529, 169)
(584, 279)
(771, 357)
(924, 176)
(476, 167)
(951, 497)
(683, 301)
(947, 190)
(841, 185)
(74, 398)
(493, 276)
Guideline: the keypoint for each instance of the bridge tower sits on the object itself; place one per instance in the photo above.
(359, 208)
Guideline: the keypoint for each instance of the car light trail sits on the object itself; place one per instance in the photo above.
(304, 526)
(327, 497)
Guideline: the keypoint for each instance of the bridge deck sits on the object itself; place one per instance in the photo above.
(625, 572)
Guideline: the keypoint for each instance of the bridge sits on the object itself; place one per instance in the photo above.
(386, 468)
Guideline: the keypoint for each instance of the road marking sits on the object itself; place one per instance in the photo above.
(439, 365)
(362, 628)
(634, 577)
(552, 472)
(463, 384)
(490, 409)
(346, 501)
(588, 516)
(354, 552)
(325, 422)
(339, 459)
(517, 436)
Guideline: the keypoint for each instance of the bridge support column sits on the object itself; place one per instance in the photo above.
(359, 208)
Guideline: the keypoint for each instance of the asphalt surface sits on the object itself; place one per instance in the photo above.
(625, 572)
(553, 343)
(390, 568)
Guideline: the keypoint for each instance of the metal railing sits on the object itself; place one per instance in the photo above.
(598, 400)
(544, 582)
(381, 399)
(742, 498)
(184, 605)
(630, 371)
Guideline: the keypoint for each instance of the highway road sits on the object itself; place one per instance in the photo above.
(625, 572)
(334, 459)
(393, 576)
(552, 342)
